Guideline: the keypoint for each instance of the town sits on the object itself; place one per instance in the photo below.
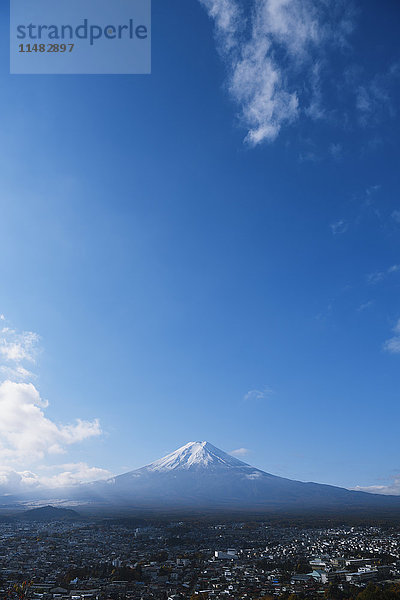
(135, 559)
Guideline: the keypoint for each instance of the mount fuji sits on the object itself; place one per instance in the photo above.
(199, 475)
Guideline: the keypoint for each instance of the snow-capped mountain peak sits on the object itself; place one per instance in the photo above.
(195, 455)
(200, 475)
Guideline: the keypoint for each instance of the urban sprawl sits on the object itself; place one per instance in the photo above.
(117, 560)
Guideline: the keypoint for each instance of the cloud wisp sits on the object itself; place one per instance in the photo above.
(273, 75)
(373, 99)
(365, 306)
(378, 276)
(18, 350)
(392, 345)
(240, 452)
(253, 395)
(339, 227)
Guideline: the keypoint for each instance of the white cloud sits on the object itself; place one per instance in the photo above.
(17, 351)
(371, 191)
(373, 99)
(240, 452)
(309, 156)
(258, 394)
(227, 15)
(56, 476)
(378, 276)
(394, 269)
(17, 373)
(339, 227)
(392, 345)
(365, 305)
(396, 215)
(73, 474)
(336, 150)
(18, 347)
(12, 481)
(271, 91)
(392, 489)
(26, 434)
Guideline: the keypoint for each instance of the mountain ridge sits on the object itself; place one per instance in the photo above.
(199, 474)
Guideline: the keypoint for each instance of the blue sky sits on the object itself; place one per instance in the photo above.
(211, 252)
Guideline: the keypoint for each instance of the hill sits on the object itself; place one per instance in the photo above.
(49, 513)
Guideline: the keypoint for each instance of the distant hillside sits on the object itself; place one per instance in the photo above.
(49, 513)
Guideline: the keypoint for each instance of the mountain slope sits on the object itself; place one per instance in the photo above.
(201, 475)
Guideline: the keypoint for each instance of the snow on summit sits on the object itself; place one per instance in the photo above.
(195, 455)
